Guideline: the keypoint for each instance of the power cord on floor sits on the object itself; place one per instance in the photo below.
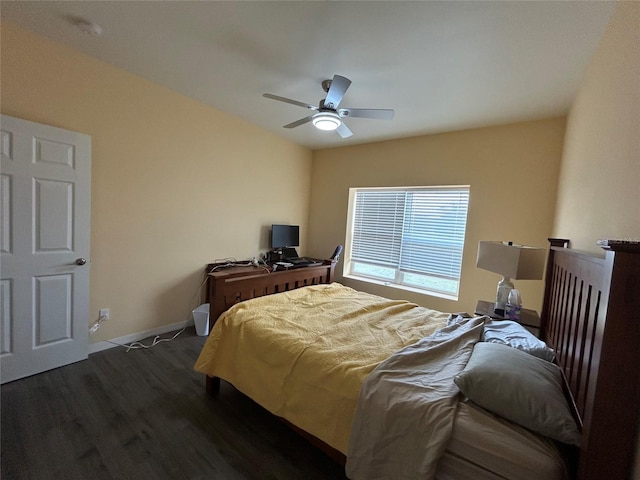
(158, 339)
(218, 265)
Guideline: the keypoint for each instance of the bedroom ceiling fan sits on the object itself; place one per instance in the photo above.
(328, 116)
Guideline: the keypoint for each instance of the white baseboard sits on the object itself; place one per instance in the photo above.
(134, 337)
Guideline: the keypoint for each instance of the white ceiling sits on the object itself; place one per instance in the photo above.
(442, 66)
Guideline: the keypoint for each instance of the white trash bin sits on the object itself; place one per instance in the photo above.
(201, 319)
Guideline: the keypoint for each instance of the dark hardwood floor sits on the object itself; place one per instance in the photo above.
(144, 414)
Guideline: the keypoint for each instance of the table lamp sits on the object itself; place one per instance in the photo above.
(516, 262)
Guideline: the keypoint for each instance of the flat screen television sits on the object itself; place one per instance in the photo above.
(285, 236)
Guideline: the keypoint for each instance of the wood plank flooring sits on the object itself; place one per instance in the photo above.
(144, 414)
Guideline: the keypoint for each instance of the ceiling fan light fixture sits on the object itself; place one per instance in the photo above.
(326, 121)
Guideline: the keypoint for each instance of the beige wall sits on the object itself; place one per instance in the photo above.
(512, 171)
(599, 188)
(175, 184)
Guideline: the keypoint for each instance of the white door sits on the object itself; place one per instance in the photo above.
(45, 209)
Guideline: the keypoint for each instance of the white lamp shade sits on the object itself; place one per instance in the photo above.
(513, 261)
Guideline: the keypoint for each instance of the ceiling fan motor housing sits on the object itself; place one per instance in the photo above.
(328, 116)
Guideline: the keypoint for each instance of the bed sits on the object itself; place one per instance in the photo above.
(594, 344)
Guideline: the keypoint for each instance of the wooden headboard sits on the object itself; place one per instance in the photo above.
(591, 317)
(236, 284)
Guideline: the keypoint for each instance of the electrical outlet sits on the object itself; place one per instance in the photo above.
(104, 314)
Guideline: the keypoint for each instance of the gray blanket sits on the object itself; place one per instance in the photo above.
(407, 405)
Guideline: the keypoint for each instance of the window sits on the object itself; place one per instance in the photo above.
(409, 237)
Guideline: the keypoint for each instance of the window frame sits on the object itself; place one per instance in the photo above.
(440, 285)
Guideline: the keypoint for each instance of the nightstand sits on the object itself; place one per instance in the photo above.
(529, 319)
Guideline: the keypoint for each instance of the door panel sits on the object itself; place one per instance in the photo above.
(45, 195)
(5, 317)
(52, 307)
(5, 212)
(53, 227)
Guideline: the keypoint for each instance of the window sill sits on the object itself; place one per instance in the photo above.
(429, 293)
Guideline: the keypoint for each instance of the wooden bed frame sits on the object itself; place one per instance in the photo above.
(228, 286)
(590, 316)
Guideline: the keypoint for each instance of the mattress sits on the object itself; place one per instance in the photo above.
(486, 447)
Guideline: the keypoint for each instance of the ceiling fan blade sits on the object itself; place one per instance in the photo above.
(297, 123)
(377, 113)
(338, 88)
(288, 100)
(344, 131)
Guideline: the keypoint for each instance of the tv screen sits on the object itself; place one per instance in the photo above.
(285, 236)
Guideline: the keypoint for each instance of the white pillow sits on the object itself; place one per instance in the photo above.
(516, 336)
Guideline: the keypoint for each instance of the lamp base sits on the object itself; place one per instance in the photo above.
(504, 287)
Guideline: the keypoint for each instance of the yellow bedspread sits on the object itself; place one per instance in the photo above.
(304, 354)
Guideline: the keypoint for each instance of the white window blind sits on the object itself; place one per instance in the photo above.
(377, 232)
(409, 236)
